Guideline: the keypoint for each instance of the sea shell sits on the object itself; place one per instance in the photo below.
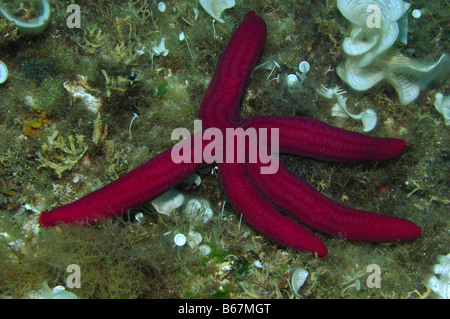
(31, 26)
(3, 72)
(194, 179)
(215, 8)
(442, 105)
(198, 210)
(169, 201)
(204, 250)
(179, 240)
(298, 279)
(304, 67)
(161, 7)
(194, 239)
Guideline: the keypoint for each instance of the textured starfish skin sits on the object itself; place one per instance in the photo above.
(261, 213)
(257, 197)
(305, 203)
(220, 105)
(312, 138)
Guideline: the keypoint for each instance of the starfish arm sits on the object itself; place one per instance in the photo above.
(220, 104)
(140, 185)
(312, 138)
(262, 215)
(317, 211)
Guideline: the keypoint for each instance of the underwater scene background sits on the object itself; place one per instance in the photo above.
(84, 104)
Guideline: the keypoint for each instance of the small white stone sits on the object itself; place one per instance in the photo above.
(416, 13)
(3, 72)
(179, 240)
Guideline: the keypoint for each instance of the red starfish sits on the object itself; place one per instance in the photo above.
(253, 194)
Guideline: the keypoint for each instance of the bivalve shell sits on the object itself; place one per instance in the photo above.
(215, 8)
(3, 72)
(298, 279)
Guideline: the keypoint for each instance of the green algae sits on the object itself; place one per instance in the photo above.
(125, 259)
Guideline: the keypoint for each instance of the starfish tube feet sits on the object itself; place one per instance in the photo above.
(262, 215)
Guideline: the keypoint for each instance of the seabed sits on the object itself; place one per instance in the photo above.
(67, 127)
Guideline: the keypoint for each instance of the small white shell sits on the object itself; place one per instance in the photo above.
(298, 279)
(215, 8)
(139, 216)
(3, 72)
(416, 13)
(31, 26)
(304, 67)
(194, 239)
(162, 7)
(369, 119)
(179, 240)
(204, 250)
(168, 202)
(194, 179)
(198, 210)
(160, 49)
(292, 80)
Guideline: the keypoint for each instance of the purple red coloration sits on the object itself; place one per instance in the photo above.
(257, 196)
